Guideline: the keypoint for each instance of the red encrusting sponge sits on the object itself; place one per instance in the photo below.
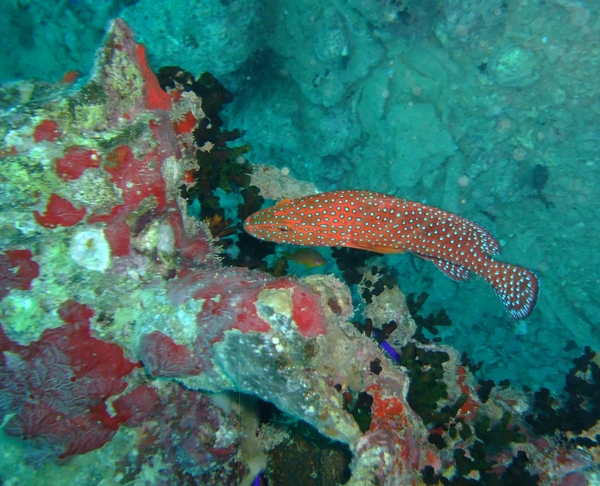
(46, 130)
(75, 162)
(59, 212)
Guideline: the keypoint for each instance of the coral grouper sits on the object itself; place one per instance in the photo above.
(386, 224)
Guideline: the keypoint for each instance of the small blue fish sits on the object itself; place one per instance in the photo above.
(391, 352)
(258, 480)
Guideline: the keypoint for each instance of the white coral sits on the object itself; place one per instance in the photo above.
(89, 249)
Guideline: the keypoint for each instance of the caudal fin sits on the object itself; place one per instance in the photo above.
(517, 287)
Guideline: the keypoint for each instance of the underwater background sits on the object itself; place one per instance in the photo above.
(486, 109)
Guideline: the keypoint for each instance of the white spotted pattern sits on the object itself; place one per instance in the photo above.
(385, 224)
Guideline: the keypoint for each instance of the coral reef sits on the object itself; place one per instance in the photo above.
(112, 298)
(189, 438)
(308, 459)
(511, 95)
(54, 390)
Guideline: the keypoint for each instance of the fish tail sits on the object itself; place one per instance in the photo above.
(517, 287)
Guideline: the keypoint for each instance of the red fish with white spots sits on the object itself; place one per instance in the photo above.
(386, 224)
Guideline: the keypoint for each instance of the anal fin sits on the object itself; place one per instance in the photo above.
(451, 270)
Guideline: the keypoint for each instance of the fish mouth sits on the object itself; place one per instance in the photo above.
(248, 226)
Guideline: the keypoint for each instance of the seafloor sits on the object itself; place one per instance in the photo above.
(487, 109)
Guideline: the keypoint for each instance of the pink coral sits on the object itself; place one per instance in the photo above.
(231, 294)
(55, 388)
(230, 297)
(17, 271)
(192, 437)
(136, 405)
(137, 180)
(306, 308)
(164, 357)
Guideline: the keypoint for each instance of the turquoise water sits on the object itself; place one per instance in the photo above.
(486, 109)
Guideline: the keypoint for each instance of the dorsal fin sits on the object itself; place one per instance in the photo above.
(283, 202)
